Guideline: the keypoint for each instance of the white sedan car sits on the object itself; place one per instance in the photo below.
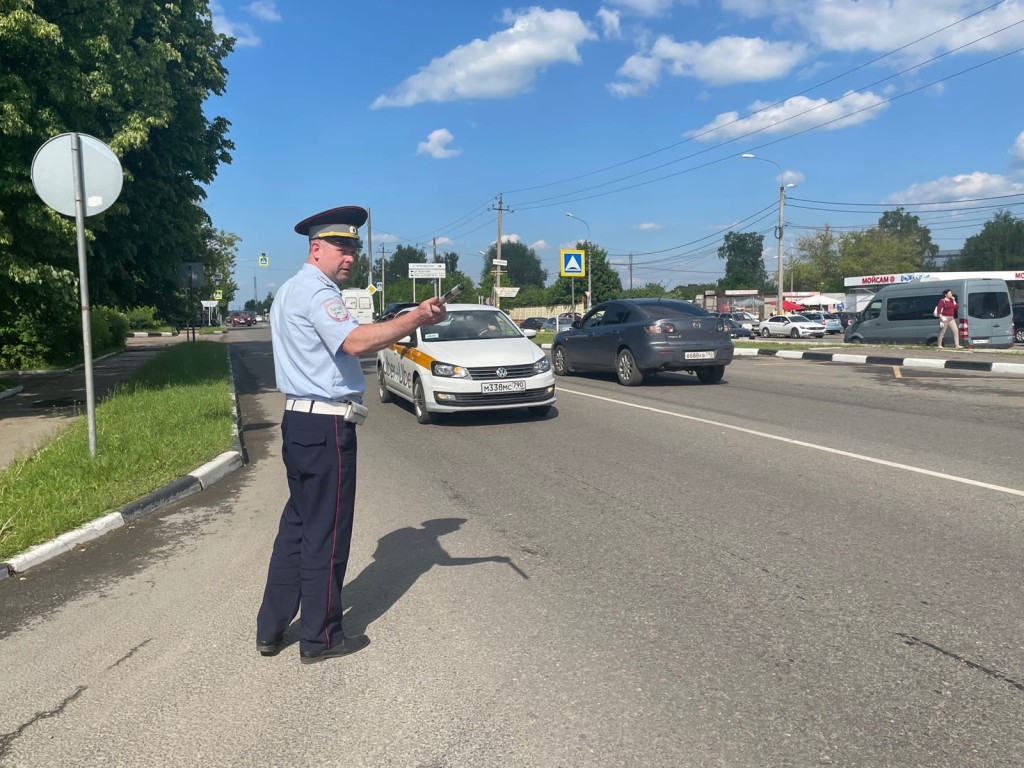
(477, 359)
(794, 326)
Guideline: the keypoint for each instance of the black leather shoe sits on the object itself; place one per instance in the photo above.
(344, 648)
(270, 647)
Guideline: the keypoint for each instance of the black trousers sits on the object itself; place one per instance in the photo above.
(307, 565)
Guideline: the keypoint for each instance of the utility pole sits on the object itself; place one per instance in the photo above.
(383, 250)
(630, 271)
(497, 274)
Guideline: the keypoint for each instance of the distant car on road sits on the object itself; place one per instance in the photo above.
(738, 331)
(532, 323)
(745, 319)
(556, 324)
(241, 318)
(831, 322)
(794, 326)
(635, 338)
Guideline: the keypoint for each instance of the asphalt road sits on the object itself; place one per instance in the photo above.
(808, 564)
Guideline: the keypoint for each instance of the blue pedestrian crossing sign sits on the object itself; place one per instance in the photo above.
(574, 263)
(264, 261)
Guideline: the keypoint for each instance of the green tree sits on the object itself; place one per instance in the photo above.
(998, 246)
(744, 266)
(815, 266)
(603, 278)
(396, 267)
(135, 75)
(523, 268)
(908, 226)
(874, 252)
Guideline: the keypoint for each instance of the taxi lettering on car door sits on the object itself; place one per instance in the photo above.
(401, 362)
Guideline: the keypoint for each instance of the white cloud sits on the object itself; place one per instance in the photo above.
(436, 145)
(965, 186)
(243, 33)
(443, 241)
(540, 245)
(1017, 152)
(265, 10)
(647, 226)
(504, 65)
(385, 237)
(723, 61)
(647, 7)
(884, 25)
(795, 114)
(610, 26)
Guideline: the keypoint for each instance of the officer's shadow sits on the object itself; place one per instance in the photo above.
(401, 557)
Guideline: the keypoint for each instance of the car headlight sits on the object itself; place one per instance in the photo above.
(449, 371)
(542, 366)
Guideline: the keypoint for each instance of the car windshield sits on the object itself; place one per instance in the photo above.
(469, 325)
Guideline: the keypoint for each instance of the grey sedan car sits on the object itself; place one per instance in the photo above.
(635, 338)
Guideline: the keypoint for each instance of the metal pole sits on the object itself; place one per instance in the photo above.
(779, 232)
(590, 281)
(78, 171)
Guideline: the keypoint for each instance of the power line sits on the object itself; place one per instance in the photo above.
(763, 109)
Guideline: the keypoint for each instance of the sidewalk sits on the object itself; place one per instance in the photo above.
(44, 403)
(1009, 361)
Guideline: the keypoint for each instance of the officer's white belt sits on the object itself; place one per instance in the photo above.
(347, 411)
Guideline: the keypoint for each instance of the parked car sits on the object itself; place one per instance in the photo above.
(845, 318)
(745, 319)
(831, 322)
(393, 309)
(556, 324)
(476, 359)
(534, 323)
(738, 331)
(1018, 323)
(635, 338)
(794, 326)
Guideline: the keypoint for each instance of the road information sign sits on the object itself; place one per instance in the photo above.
(573, 263)
(427, 270)
(264, 260)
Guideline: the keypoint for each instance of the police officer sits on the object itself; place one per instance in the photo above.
(317, 344)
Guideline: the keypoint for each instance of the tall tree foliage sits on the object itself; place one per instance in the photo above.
(744, 267)
(523, 268)
(907, 226)
(134, 74)
(998, 246)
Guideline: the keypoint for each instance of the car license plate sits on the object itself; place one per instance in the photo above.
(501, 387)
(699, 355)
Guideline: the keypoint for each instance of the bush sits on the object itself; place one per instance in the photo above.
(142, 319)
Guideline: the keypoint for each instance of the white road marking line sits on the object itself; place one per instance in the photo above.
(791, 441)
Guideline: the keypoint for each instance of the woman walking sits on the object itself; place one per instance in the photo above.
(946, 311)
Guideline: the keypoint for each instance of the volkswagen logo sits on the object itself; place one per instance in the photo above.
(696, 323)
(502, 373)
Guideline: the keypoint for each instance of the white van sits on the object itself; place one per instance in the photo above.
(359, 302)
(902, 314)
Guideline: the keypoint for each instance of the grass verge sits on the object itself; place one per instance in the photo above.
(172, 416)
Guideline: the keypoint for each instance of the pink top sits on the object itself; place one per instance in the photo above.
(947, 307)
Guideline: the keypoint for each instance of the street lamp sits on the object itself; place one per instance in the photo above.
(590, 281)
(780, 230)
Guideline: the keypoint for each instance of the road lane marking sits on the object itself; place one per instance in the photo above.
(791, 441)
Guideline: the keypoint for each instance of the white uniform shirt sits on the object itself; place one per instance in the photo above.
(308, 323)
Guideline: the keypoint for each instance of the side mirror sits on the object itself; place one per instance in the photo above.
(575, 324)
(406, 341)
(529, 332)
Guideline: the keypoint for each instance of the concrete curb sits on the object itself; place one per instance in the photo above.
(195, 481)
(11, 392)
(905, 362)
(151, 334)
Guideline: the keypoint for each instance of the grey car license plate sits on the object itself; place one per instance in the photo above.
(501, 387)
(699, 355)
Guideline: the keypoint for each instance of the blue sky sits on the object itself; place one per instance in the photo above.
(632, 115)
